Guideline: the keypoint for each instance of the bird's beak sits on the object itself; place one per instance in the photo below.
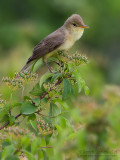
(84, 26)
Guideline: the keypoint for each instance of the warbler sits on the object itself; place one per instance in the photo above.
(60, 40)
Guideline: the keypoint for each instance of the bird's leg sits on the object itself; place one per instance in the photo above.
(48, 67)
(45, 61)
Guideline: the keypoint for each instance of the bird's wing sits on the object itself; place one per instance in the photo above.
(47, 45)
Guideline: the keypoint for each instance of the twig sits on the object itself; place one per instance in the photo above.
(47, 147)
(58, 82)
(22, 94)
(17, 116)
(10, 104)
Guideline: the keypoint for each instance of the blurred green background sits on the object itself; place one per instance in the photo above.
(24, 23)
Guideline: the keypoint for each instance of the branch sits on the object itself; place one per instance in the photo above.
(17, 116)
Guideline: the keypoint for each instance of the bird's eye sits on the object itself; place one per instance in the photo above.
(74, 24)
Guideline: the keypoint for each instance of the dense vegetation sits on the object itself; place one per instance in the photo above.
(39, 117)
(48, 122)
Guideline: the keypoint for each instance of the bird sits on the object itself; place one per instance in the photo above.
(60, 40)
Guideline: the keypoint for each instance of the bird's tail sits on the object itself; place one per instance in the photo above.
(32, 66)
(27, 67)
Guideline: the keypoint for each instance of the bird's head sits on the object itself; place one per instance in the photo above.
(75, 26)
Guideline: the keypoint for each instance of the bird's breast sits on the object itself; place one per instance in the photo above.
(68, 43)
(71, 38)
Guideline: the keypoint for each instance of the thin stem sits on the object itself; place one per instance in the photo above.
(47, 147)
(22, 94)
(10, 104)
(17, 116)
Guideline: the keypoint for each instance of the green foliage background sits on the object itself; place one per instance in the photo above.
(95, 118)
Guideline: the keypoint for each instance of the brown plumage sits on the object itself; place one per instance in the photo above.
(62, 39)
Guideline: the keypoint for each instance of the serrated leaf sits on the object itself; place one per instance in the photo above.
(56, 76)
(45, 77)
(79, 79)
(54, 110)
(28, 108)
(87, 90)
(67, 89)
(34, 125)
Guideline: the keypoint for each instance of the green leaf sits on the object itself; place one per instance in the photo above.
(25, 142)
(6, 143)
(36, 101)
(43, 142)
(12, 120)
(14, 104)
(47, 138)
(45, 100)
(47, 120)
(11, 157)
(62, 103)
(64, 122)
(44, 78)
(71, 66)
(59, 129)
(87, 90)
(33, 124)
(5, 118)
(67, 89)
(26, 98)
(56, 76)
(80, 82)
(54, 110)
(72, 136)
(29, 155)
(31, 117)
(28, 108)
(35, 145)
(7, 152)
(52, 59)
(45, 155)
(37, 65)
(37, 91)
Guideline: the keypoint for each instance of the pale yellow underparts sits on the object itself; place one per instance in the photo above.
(71, 37)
